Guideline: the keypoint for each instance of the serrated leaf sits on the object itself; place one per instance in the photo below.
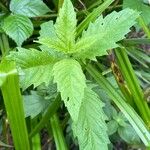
(139, 6)
(36, 66)
(65, 25)
(48, 31)
(34, 104)
(48, 38)
(29, 8)
(65, 29)
(104, 33)
(18, 27)
(71, 83)
(91, 129)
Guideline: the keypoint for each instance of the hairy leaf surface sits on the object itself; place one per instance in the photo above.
(63, 31)
(91, 129)
(104, 33)
(71, 83)
(29, 8)
(49, 39)
(36, 66)
(66, 25)
(18, 27)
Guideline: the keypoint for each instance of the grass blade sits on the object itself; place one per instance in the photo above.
(58, 133)
(127, 110)
(133, 84)
(14, 108)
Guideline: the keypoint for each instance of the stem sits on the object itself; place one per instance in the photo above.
(58, 133)
(133, 84)
(4, 44)
(50, 111)
(15, 111)
(144, 26)
(36, 142)
(13, 101)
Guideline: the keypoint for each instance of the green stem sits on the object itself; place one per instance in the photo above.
(4, 45)
(58, 133)
(15, 111)
(144, 26)
(50, 111)
(133, 84)
(13, 101)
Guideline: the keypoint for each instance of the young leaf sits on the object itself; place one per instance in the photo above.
(91, 129)
(104, 33)
(139, 6)
(36, 65)
(66, 25)
(29, 8)
(18, 27)
(63, 31)
(48, 31)
(71, 83)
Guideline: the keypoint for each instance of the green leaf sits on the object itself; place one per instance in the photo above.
(65, 25)
(112, 127)
(71, 83)
(139, 6)
(63, 31)
(92, 16)
(91, 129)
(34, 104)
(29, 8)
(18, 27)
(104, 34)
(49, 39)
(36, 66)
(48, 31)
(128, 134)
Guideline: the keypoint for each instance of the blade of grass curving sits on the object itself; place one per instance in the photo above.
(45, 118)
(136, 41)
(58, 133)
(133, 84)
(14, 108)
(127, 110)
(92, 16)
(144, 26)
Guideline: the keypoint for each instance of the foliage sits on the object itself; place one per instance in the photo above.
(59, 66)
